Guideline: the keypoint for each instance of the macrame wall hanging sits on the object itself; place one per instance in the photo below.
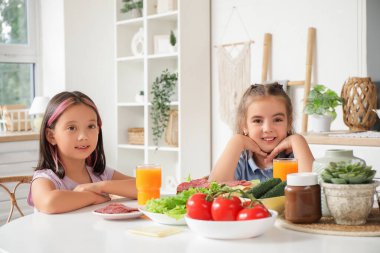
(234, 73)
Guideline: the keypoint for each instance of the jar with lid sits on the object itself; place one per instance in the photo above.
(302, 198)
(333, 155)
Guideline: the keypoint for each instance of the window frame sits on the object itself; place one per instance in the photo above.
(26, 53)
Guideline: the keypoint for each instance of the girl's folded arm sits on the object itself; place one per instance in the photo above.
(49, 200)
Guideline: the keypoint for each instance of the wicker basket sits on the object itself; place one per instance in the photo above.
(136, 136)
(359, 98)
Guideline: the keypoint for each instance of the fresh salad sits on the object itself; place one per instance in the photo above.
(175, 206)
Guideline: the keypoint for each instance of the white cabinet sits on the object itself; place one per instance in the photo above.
(190, 21)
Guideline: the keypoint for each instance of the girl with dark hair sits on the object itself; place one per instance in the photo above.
(263, 132)
(71, 171)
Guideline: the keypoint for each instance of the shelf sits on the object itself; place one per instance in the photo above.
(326, 139)
(162, 148)
(130, 146)
(132, 104)
(133, 21)
(131, 59)
(160, 56)
(167, 16)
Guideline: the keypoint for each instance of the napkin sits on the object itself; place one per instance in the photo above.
(155, 231)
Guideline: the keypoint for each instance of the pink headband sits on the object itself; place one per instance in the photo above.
(65, 104)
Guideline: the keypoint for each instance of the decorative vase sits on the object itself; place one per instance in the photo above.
(332, 155)
(320, 123)
(350, 204)
(171, 136)
(359, 99)
(137, 43)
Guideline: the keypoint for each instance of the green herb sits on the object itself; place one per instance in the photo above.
(322, 101)
(131, 4)
(162, 89)
(173, 39)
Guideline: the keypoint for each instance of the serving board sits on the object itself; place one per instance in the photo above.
(327, 226)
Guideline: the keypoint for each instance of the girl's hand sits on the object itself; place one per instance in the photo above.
(100, 198)
(284, 145)
(251, 145)
(91, 187)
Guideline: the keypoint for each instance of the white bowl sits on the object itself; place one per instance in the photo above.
(231, 229)
(163, 218)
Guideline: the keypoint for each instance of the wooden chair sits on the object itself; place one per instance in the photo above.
(309, 64)
(12, 197)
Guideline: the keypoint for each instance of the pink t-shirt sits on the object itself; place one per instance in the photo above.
(66, 183)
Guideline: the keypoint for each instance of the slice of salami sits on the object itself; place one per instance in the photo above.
(116, 208)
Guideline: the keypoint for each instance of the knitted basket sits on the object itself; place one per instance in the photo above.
(136, 136)
(359, 98)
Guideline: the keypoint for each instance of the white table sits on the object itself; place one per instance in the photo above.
(82, 231)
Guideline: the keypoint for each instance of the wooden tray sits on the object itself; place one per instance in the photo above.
(327, 226)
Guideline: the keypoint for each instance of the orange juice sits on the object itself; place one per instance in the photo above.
(283, 167)
(148, 182)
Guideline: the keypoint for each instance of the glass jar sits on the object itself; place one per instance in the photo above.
(332, 155)
(302, 198)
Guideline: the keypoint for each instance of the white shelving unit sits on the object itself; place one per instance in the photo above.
(191, 60)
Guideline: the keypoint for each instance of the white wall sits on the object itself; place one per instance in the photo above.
(340, 46)
(78, 54)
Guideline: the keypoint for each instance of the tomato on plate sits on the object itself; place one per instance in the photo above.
(252, 213)
(199, 207)
(225, 208)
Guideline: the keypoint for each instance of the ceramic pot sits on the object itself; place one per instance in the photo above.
(320, 123)
(332, 155)
(350, 204)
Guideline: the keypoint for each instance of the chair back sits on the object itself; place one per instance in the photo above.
(18, 180)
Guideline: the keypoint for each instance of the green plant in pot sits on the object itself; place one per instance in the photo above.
(349, 190)
(320, 105)
(134, 7)
(162, 90)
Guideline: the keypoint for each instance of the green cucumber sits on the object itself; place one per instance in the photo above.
(278, 190)
(260, 189)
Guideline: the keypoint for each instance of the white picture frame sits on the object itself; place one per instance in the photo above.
(162, 44)
(166, 5)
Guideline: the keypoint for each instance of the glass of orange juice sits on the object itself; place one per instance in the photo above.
(283, 167)
(148, 182)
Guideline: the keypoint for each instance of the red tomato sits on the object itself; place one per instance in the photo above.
(253, 213)
(198, 207)
(225, 209)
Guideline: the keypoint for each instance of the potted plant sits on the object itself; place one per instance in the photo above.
(173, 41)
(162, 90)
(320, 105)
(134, 7)
(349, 190)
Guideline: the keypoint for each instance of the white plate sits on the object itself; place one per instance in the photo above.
(163, 218)
(119, 216)
(231, 229)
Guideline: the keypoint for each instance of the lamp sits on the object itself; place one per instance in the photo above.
(38, 108)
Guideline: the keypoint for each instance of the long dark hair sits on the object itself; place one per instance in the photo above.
(49, 158)
(258, 91)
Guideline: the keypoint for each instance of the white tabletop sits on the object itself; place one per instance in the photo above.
(82, 231)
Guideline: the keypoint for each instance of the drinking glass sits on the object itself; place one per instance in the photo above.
(283, 167)
(148, 182)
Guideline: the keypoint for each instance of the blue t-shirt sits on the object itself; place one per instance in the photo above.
(248, 170)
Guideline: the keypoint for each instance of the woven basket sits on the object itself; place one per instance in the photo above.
(359, 98)
(136, 136)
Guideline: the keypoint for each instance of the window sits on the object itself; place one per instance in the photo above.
(18, 51)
